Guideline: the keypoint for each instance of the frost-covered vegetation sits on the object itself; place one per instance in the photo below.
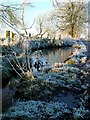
(44, 85)
(78, 54)
(38, 110)
(37, 96)
(43, 94)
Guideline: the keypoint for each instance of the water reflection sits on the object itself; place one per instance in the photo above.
(54, 55)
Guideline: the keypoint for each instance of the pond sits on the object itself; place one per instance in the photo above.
(53, 55)
(50, 55)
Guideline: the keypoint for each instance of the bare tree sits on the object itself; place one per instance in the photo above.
(70, 16)
(9, 15)
(40, 25)
(45, 25)
(13, 15)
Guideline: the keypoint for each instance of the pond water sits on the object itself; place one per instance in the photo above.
(53, 55)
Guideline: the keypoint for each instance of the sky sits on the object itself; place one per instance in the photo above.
(39, 7)
(31, 13)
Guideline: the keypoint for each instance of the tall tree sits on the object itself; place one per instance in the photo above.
(70, 16)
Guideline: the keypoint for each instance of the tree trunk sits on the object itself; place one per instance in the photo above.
(71, 30)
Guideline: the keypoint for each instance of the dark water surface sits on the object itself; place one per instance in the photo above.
(53, 55)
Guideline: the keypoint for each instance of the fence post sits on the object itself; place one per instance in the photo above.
(8, 40)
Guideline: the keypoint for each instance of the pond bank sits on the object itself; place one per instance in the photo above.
(43, 97)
